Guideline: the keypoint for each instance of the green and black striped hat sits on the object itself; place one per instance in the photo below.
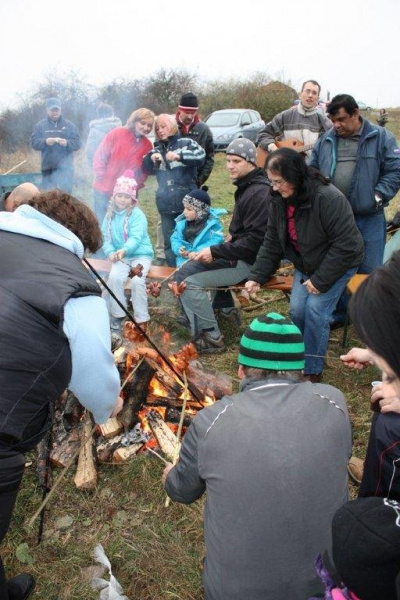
(273, 343)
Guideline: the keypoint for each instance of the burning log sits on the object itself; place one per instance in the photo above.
(173, 415)
(86, 473)
(136, 393)
(124, 454)
(110, 428)
(210, 384)
(73, 411)
(165, 437)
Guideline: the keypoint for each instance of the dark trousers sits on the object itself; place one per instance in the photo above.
(168, 225)
(60, 178)
(11, 470)
(381, 475)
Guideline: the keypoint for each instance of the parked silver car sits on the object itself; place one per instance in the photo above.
(229, 124)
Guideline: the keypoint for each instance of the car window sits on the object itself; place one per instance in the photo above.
(253, 116)
(246, 120)
(223, 119)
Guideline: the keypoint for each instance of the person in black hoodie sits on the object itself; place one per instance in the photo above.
(230, 262)
(311, 224)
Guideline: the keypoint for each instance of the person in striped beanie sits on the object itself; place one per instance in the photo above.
(273, 462)
(272, 343)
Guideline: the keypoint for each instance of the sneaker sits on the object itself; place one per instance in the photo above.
(206, 344)
(21, 586)
(355, 469)
(232, 315)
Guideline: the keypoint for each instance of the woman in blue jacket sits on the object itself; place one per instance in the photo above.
(174, 160)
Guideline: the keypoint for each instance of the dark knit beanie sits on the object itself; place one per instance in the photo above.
(272, 343)
(244, 148)
(200, 195)
(366, 547)
(188, 101)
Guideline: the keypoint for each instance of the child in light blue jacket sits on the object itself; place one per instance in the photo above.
(126, 244)
(197, 227)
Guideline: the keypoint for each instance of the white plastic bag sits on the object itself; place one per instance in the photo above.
(110, 590)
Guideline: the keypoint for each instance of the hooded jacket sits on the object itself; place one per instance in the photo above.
(135, 241)
(98, 128)
(212, 233)
(200, 133)
(54, 328)
(329, 241)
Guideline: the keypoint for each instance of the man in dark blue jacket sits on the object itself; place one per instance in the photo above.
(363, 162)
(56, 138)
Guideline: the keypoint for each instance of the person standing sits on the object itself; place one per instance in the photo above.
(174, 161)
(190, 127)
(57, 139)
(304, 122)
(122, 149)
(383, 117)
(272, 460)
(363, 161)
(105, 121)
(55, 334)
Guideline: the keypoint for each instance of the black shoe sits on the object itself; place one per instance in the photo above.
(159, 262)
(182, 319)
(21, 586)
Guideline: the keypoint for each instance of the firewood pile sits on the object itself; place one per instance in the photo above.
(153, 397)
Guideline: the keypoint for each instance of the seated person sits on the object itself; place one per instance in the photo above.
(126, 243)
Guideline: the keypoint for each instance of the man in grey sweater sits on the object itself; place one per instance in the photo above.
(272, 460)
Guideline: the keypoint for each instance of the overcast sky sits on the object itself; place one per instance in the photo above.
(349, 46)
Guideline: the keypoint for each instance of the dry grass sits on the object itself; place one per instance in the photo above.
(155, 552)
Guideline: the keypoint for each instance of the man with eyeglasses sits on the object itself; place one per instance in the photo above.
(304, 122)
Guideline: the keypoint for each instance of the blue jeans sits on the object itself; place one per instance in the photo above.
(312, 314)
(373, 231)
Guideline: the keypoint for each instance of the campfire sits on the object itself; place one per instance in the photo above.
(153, 392)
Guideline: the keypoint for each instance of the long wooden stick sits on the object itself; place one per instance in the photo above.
(13, 168)
(179, 432)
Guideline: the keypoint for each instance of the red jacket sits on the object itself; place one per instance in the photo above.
(119, 151)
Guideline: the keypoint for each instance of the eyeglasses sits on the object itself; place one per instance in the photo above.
(276, 183)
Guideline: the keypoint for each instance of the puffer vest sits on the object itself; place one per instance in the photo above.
(36, 280)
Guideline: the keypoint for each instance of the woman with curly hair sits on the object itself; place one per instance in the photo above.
(55, 335)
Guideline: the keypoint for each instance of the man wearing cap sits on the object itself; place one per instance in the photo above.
(56, 138)
(272, 459)
(230, 262)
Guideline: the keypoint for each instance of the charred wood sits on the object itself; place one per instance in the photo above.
(136, 393)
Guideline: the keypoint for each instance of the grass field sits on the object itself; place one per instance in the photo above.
(155, 551)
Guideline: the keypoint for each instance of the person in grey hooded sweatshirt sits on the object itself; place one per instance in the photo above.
(273, 461)
(105, 121)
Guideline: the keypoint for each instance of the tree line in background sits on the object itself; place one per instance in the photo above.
(159, 92)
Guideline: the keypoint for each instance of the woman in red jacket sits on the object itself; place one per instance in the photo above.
(121, 149)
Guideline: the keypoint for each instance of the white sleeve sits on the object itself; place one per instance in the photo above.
(95, 380)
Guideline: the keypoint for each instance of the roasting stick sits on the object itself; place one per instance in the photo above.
(13, 168)
(131, 374)
(179, 432)
(158, 455)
